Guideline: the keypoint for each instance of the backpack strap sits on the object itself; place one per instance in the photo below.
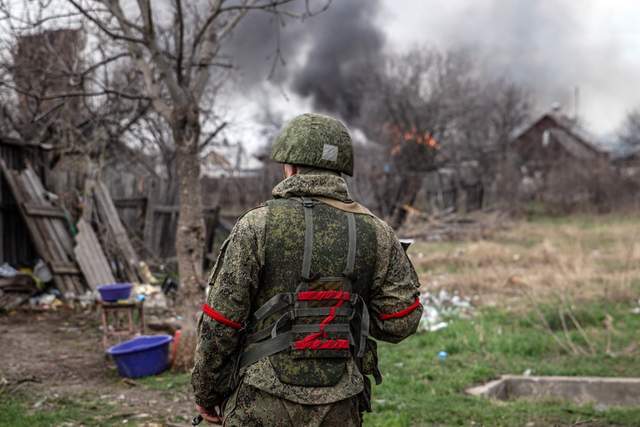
(307, 204)
(351, 252)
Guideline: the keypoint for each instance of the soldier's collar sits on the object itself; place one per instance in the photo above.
(331, 186)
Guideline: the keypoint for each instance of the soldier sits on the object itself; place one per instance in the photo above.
(300, 286)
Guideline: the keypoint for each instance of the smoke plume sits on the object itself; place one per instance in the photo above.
(322, 56)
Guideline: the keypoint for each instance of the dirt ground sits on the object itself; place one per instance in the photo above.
(58, 355)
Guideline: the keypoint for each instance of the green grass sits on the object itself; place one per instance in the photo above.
(420, 390)
(19, 409)
(167, 381)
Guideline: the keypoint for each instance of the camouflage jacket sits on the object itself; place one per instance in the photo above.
(236, 277)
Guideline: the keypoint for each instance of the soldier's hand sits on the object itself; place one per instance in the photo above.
(211, 418)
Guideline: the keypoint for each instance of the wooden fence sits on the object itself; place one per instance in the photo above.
(152, 227)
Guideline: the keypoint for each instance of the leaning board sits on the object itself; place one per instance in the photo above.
(91, 258)
(48, 229)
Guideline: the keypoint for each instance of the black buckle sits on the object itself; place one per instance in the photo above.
(308, 203)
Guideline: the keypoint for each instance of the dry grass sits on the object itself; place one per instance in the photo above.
(580, 257)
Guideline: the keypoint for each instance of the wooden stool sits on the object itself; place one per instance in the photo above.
(120, 311)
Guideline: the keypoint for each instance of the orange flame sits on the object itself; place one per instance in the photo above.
(411, 135)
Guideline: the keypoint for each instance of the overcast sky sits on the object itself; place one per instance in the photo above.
(551, 46)
(592, 44)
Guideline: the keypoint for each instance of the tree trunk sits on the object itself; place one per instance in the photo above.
(190, 232)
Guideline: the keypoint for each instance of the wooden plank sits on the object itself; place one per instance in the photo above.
(34, 196)
(148, 232)
(56, 236)
(174, 209)
(60, 235)
(59, 228)
(109, 216)
(19, 196)
(91, 258)
(130, 202)
(65, 268)
(34, 231)
(34, 209)
(49, 233)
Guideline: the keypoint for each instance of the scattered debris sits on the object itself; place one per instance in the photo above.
(438, 309)
(42, 272)
(7, 271)
(153, 297)
(170, 286)
(15, 289)
(144, 271)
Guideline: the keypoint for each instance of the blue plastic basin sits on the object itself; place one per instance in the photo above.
(142, 356)
(115, 291)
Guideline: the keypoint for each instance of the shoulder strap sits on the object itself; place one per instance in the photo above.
(307, 204)
(351, 252)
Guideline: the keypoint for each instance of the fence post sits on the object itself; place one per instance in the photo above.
(149, 217)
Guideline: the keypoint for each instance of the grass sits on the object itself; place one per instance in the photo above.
(168, 381)
(19, 409)
(555, 293)
(582, 256)
(419, 390)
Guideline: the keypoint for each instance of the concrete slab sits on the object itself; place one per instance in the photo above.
(581, 390)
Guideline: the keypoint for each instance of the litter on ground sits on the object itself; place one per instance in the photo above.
(440, 308)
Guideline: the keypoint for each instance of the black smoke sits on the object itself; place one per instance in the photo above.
(321, 57)
(347, 40)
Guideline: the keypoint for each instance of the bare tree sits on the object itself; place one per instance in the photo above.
(175, 49)
(630, 132)
(429, 109)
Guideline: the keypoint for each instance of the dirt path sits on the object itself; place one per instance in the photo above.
(55, 356)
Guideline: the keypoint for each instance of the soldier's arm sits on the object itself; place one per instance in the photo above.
(233, 281)
(395, 305)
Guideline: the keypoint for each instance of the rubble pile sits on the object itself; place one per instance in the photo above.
(15, 287)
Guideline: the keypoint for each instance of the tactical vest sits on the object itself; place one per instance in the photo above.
(311, 314)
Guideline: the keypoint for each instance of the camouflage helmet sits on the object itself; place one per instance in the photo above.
(317, 141)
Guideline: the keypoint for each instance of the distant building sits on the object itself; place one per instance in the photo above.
(553, 159)
(627, 163)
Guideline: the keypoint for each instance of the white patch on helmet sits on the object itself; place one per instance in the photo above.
(330, 153)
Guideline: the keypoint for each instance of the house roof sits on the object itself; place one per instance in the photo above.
(626, 152)
(569, 128)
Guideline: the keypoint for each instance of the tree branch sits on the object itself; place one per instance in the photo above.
(102, 26)
(212, 135)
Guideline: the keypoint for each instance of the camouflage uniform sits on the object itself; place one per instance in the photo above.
(280, 389)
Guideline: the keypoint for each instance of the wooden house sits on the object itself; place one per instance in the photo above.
(627, 163)
(553, 159)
